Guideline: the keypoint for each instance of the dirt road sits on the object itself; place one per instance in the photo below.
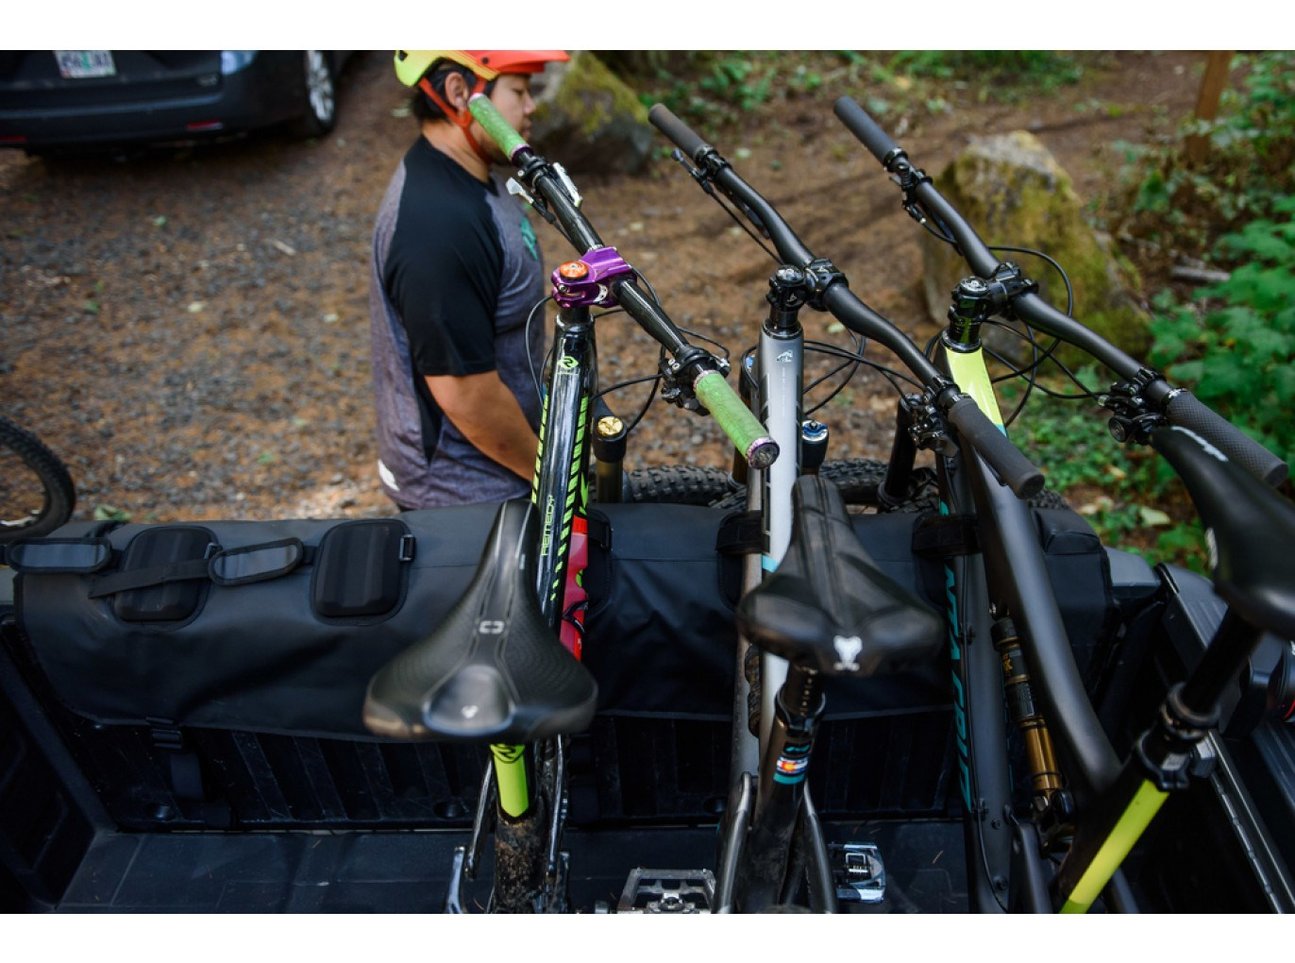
(189, 329)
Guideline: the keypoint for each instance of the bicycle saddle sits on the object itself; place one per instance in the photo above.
(493, 670)
(1250, 529)
(828, 606)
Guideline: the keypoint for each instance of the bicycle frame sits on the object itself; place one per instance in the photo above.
(559, 489)
(1006, 577)
(1117, 802)
(779, 379)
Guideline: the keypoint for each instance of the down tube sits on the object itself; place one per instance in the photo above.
(558, 489)
(984, 780)
(781, 374)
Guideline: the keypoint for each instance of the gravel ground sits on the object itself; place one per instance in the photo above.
(189, 330)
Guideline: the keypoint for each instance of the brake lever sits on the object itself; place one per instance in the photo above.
(708, 184)
(515, 188)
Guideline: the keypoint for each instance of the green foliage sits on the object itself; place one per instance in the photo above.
(736, 80)
(1171, 204)
(715, 87)
(1236, 343)
(997, 74)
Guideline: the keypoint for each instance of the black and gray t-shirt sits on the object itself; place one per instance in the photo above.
(456, 271)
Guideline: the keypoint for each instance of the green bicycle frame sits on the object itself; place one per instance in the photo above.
(559, 489)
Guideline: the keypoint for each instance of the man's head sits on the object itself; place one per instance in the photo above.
(445, 80)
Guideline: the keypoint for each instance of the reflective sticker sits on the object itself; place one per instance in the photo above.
(790, 771)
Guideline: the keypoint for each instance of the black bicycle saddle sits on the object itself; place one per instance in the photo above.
(1250, 528)
(828, 606)
(493, 670)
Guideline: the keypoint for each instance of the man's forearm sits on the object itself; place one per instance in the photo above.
(487, 414)
(509, 442)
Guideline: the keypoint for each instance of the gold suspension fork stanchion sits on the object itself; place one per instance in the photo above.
(609, 459)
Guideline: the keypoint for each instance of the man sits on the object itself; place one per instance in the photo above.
(456, 272)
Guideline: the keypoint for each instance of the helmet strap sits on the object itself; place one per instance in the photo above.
(460, 118)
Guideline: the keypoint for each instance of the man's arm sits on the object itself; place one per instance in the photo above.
(488, 416)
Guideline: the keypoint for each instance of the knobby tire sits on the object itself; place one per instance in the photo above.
(58, 493)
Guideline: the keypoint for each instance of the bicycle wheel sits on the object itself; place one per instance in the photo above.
(677, 485)
(36, 491)
(859, 478)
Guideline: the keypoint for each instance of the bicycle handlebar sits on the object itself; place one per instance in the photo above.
(734, 418)
(1012, 467)
(684, 136)
(1015, 470)
(498, 129)
(1178, 405)
(867, 130)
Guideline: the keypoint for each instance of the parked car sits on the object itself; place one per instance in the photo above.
(56, 99)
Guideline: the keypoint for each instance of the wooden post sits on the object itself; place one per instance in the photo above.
(1207, 101)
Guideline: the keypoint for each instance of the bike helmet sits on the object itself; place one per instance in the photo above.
(412, 67)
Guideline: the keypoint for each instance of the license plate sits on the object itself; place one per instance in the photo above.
(78, 64)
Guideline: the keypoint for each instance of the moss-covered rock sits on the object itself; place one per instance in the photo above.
(1013, 191)
(589, 120)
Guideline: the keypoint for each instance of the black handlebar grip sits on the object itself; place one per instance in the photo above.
(865, 128)
(1013, 468)
(1186, 411)
(674, 128)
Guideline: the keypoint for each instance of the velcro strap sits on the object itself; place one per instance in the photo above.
(740, 534)
(944, 536)
(59, 555)
(148, 577)
(599, 531)
(256, 563)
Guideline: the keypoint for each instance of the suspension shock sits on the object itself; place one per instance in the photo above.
(1041, 758)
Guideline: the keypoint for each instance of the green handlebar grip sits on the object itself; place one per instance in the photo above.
(493, 123)
(736, 419)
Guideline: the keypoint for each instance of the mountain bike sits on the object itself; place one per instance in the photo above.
(36, 490)
(1229, 478)
(994, 580)
(495, 670)
(948, 421)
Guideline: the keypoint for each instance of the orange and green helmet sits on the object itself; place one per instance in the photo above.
(411, 65)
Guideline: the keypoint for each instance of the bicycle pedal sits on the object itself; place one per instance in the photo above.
(671, 891)
(859, 873)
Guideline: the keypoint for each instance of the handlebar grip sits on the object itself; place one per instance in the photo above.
(1186, 410)
(865, 128)
(1013, 468)
(665, 121)
(742, 427)
(493, 123)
